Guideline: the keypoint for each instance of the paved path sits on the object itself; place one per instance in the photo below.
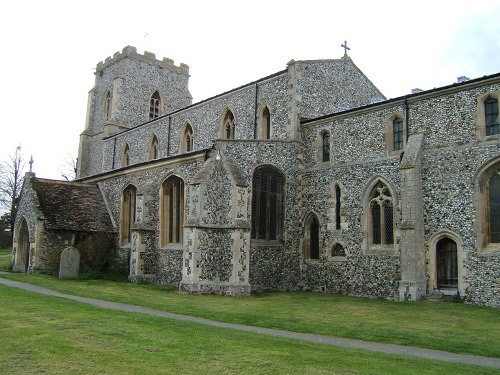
(319, 339)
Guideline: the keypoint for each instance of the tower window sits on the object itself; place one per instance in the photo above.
(154, 106)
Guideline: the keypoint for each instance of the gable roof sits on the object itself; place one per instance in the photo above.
(72, 206)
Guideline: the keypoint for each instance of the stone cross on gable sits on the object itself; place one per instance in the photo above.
(344, 46)
(31, 163)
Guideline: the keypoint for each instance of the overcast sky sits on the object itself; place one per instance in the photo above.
(51, 48)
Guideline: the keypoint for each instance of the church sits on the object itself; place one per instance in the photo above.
(307, 179)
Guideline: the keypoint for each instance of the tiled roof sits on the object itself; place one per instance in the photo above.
(72, 206)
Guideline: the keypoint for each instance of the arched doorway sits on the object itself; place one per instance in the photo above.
(23, 247)
(446, 264)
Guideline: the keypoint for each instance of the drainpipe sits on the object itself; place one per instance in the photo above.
(407, 117)
(255, 112)
(114, 153)
(168, 135)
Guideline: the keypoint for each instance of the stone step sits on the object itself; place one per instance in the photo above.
(436, 297)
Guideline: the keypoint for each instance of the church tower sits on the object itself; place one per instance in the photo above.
(130, 89)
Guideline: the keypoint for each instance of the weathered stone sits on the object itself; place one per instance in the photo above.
(69, 267)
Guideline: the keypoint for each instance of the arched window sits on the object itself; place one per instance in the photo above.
(188, 139)
(381, 216)
(494, 208)
(153, 149)
(266, 124)
(267, 204)
(228, 127)
(172, 211)
(107, 106)
(446, 263)
(491, 116)
(337, 207)
(397, 134)
(128, 214)
(325, 143)
(312, 238)
(338, 250)
(154, 105)
(125, 162)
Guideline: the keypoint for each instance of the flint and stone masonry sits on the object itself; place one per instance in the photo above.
(306, 179)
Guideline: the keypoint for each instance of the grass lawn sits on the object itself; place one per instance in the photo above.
(452, 327)
(49, 335)
(5, 261)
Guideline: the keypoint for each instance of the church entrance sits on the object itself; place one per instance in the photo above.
(447, 265)
(23, 247)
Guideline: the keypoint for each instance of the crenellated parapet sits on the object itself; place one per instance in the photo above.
(130, 51)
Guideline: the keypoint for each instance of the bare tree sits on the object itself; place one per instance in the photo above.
(70, 166)
(11, 181)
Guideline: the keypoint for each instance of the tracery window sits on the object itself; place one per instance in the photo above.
(128, 214)
(381, 215)
(172, 211)
(153, 149)
(154, 105)
(494, 208)
(267, 204)
(397, 134)
(491, 114)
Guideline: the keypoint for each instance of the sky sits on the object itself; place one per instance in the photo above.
(50, 50)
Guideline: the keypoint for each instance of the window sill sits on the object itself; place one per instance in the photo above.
(383, 250)
(489, 250)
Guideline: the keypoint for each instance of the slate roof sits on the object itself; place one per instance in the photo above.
(72, 205)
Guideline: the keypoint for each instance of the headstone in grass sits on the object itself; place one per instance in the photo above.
(69, 267)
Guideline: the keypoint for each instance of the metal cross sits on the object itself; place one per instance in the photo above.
(31, 163)
(344, 46)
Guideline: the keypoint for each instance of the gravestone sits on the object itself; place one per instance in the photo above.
(69, 267)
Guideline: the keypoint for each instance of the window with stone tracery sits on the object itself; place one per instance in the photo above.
(188, 143)
(154, 105)
(381, 216)
(494, 208)
(127, 214)
(267, 204)
(172, 211)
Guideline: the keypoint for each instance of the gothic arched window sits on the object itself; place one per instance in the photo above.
(188, 138)
(153, 149)
(154, 105)
(228, 127)
(381, 216)
(125, 162)
(107, 106)
(267, 204)
(127, 214)
(266, 124)
(312, 238)
(491, 114)
(397, 134)
(172, 211)
(325, 146)
(494, 208)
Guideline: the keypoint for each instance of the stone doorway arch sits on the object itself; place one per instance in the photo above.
(23, 248)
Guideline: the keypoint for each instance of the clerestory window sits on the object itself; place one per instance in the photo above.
(397, 134)
(491, 114)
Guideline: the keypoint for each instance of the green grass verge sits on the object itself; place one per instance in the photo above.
(44, 334)
(447, 326)
(5, 260)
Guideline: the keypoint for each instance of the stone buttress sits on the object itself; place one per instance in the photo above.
(217, 232)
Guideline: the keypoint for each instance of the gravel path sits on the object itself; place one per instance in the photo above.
(346, 343)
